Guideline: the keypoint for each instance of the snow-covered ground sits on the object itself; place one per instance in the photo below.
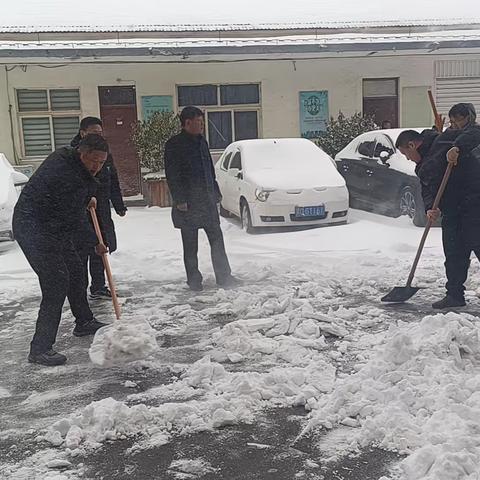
(306, 329)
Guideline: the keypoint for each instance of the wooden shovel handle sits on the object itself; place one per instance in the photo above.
(436, 203)
(106, 264)
(438, 118)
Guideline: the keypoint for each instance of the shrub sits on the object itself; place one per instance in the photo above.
(150, 137)
(341, 131)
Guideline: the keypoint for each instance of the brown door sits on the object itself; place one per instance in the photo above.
(380, 99)
(382, 109)
(118, 110)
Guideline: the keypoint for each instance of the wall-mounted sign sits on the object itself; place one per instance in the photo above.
(156, 103)
(313, 113)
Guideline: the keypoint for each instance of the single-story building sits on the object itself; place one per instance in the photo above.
(253, 79)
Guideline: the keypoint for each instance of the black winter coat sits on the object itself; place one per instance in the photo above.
(108, 190)
(461, 200)
(432, 167)
(54, 200)
(191, 179)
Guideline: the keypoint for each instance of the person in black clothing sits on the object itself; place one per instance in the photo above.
(108, 191)
(195, 193)
(460, 205)
(48, 214)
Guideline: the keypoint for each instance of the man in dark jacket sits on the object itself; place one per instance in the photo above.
(460, 204)
(194, 189)
(48, 214)
(108, 191)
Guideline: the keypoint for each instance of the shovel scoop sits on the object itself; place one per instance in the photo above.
(400, 294)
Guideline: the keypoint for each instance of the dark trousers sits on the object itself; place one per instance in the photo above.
(457, 255)
(217, 246)
(93, 263)
(60, 273)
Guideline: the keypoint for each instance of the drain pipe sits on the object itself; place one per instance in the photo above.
(16, 158)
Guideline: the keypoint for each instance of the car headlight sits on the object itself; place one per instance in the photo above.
(263, 194)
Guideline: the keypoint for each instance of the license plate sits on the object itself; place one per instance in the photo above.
(318, 211)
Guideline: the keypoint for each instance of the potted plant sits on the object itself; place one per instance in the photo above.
(149, 138)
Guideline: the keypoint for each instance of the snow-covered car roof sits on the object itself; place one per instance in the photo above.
(285, 163)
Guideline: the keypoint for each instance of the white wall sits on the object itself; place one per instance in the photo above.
(281, 81)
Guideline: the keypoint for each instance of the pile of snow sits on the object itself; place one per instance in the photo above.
(224, 398)
(4, 393)
(419, 395)
(122, 342)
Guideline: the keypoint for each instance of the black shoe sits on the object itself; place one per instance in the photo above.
(49, 358)
(449, 302)
(88, 328)
(195, 287)
(229, 282)
(101, 294)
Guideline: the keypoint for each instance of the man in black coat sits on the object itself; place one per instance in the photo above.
(49, 213)
(195, 193)
(460, 205)
(108, 191)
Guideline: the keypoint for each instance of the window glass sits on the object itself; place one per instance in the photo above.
(219, 129)
(64, 129)
(197, 95)
(236, 162)
(383, 87)
(239, 94)
(366, 148)
(246, 125)
(65, 99)
(37, 137)
(32, 100)
(225, 161)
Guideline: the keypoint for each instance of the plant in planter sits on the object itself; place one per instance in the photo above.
(149, 138)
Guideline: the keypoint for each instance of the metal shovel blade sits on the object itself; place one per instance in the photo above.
(400, 294)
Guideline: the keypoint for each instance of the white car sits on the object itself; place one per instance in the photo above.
(281, 182)
(10, 185)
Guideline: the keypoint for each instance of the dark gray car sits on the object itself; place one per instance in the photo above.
(379, 178)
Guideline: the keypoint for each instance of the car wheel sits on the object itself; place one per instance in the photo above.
(411, 205)
(224, 213)
(407, 204)
(246, 218)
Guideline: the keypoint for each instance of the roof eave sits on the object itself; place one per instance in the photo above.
(193, 53)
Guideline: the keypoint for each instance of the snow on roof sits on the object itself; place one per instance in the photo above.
(213, 15)
(156, 45)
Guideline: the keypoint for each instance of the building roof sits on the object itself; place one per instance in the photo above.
(36, 16)
(186, 48)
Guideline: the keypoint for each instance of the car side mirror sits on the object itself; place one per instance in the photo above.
(384, 156)
(239, 175)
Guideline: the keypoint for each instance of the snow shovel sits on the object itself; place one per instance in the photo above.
(402, 294)
(106, 264)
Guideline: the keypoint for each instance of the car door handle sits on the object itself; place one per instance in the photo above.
(369, 172)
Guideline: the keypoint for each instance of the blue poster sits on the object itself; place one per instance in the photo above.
(156, 103)
(313, 113)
